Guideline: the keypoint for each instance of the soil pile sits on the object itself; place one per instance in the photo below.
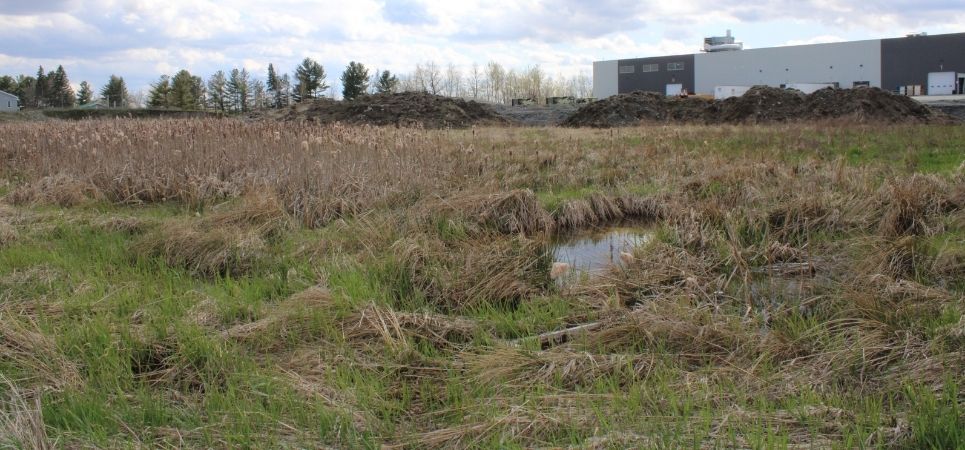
(407, 109)
(867, 104)
(633, 108)
(760, 104)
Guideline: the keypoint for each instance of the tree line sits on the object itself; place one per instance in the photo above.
(239, 91)
(53, 90)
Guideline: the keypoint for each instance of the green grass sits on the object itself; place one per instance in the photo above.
(117, 309)
(135, 352)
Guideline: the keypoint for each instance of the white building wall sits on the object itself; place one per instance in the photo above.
(843, 63)
(8, 102)
(605, 79)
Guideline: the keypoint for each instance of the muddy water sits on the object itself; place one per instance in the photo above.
(595, 251)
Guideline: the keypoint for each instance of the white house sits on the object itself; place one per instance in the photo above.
(8, 102)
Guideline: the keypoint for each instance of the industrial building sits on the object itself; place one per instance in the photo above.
(917, 64)
(9, 102)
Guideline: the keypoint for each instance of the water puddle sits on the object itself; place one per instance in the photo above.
(594, 251)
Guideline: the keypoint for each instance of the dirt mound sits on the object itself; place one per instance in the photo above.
(871, 104)
(760, 104)
(409, 109)
(633, 108)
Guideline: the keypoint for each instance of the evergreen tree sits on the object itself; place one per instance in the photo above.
(59, 94)
(273, 83)
(159, 95)
(218, 91)
(355, 80)
(187, 91)
(238, 89)
(115, 93)
(386, 83)
(40, 88)
(310, 80)
(85, 95)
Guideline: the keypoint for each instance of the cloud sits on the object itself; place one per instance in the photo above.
(823, 39)
(31, 7)
(141, 39)
(407, 12)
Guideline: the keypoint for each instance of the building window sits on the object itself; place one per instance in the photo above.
(626, 69)
(650, 68)
(675, 66)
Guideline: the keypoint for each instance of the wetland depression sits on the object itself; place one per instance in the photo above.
(593, 251)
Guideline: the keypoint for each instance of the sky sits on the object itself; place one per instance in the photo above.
(143, 39)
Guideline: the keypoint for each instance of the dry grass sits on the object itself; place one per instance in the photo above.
(207, 253)
(21, 420)
(600, 209)
(24, 346)
(62, 190)
(911, 205)
(8, 233)
(513, 212)
(395, 328)
(467, 273)
(285, 324)
(229, 241)
(512, 367)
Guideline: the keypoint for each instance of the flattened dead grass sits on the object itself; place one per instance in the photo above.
(230, 241)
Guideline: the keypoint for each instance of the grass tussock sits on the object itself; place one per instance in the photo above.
(695, 336)
(915, 205)
(41, 363)
(513, 212)
(468, 273)
(599, 209)
(661, 270)
(21, 420)
(206, 253)
(259, 211)
(61, 190)
(232, 240)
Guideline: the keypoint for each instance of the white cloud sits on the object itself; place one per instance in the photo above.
(822, 39)
(142, 38)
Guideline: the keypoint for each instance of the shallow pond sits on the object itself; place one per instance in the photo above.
(594, 251)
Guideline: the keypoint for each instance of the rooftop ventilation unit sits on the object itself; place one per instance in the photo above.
(722, 44)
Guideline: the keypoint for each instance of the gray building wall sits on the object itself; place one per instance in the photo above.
(658, 80)
(8, 102)
(907, 61)
(844, 63)
(605, 79)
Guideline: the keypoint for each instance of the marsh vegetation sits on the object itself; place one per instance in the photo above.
(216, 283)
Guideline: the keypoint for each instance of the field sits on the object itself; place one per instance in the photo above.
(220, 283)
